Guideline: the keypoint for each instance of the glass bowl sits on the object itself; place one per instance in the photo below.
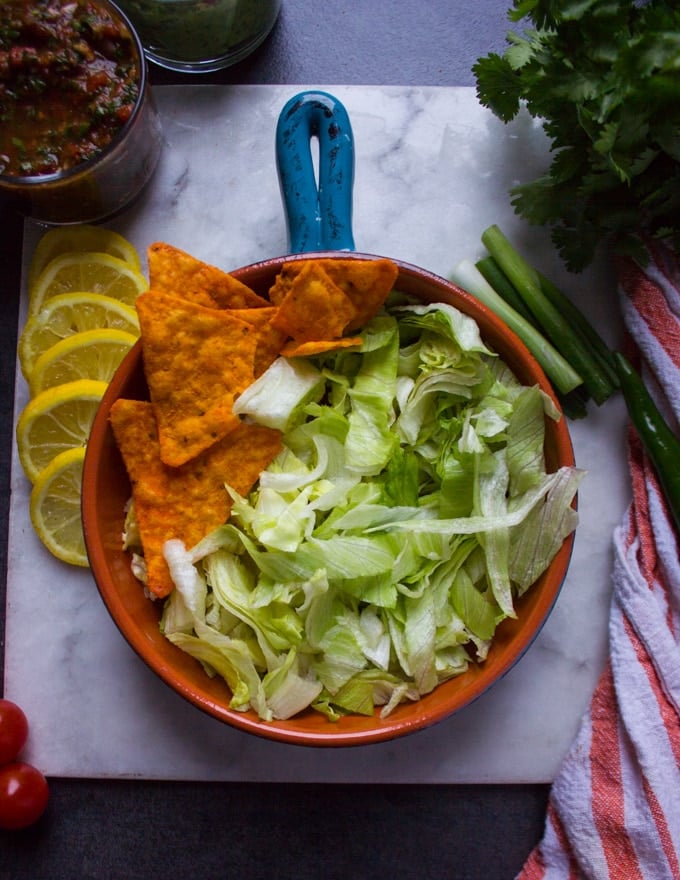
(200, 36)
(105, 183)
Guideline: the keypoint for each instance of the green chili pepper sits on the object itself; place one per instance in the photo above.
(660, 443)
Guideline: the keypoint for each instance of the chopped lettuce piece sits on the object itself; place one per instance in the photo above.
(277, 396)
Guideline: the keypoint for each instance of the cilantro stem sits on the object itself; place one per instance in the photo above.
(556, 367)
(555, 325)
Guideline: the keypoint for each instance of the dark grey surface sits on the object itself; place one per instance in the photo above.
(137, 829)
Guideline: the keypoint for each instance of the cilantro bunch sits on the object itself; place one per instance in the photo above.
(604, 79)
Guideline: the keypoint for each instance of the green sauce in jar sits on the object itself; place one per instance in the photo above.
(201, 35)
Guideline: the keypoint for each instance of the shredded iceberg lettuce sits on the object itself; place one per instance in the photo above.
(378, 553)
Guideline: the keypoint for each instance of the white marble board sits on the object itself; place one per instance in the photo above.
(433, 170)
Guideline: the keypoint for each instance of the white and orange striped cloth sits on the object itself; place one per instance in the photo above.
(614, 808)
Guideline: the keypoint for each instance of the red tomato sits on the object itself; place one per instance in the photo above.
(23, 795)
(13, 731)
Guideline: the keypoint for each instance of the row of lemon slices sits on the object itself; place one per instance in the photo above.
(81, 321)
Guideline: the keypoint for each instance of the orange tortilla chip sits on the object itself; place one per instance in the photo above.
(269, 338)
(313, 307)
(365, 282)
(178, 273)
(195, 361)
(190, 501)
(287, 274)
(318, 346)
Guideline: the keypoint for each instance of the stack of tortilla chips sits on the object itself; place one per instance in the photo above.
(205, 338)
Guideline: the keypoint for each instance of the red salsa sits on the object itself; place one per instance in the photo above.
(69, 80)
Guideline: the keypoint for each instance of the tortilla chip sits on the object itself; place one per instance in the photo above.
(178, 273)
(190, 501)
(365, 282)
(195, 361)
(269, 338)
(314, 307)
(318, 346)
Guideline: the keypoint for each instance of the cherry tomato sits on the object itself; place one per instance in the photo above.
(23, 795)
(13, 731)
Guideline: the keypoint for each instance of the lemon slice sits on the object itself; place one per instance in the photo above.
(80, 238)
(55, 507)
(92, 354)
(89, 271)
(67, 314)
(56, 419)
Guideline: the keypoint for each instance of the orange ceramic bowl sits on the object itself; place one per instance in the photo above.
(106, 490)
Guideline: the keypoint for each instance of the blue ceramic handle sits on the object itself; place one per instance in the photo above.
(318, 218)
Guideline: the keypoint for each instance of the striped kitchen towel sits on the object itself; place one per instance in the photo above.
(614, 808)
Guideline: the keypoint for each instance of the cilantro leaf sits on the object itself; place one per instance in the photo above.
(497, 86)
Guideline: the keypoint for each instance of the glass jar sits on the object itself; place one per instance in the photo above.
(101, 180)
(198, 36)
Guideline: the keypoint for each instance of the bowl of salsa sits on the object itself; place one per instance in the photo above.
(80, 136)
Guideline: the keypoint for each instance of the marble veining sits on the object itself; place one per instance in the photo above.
(432, 171)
